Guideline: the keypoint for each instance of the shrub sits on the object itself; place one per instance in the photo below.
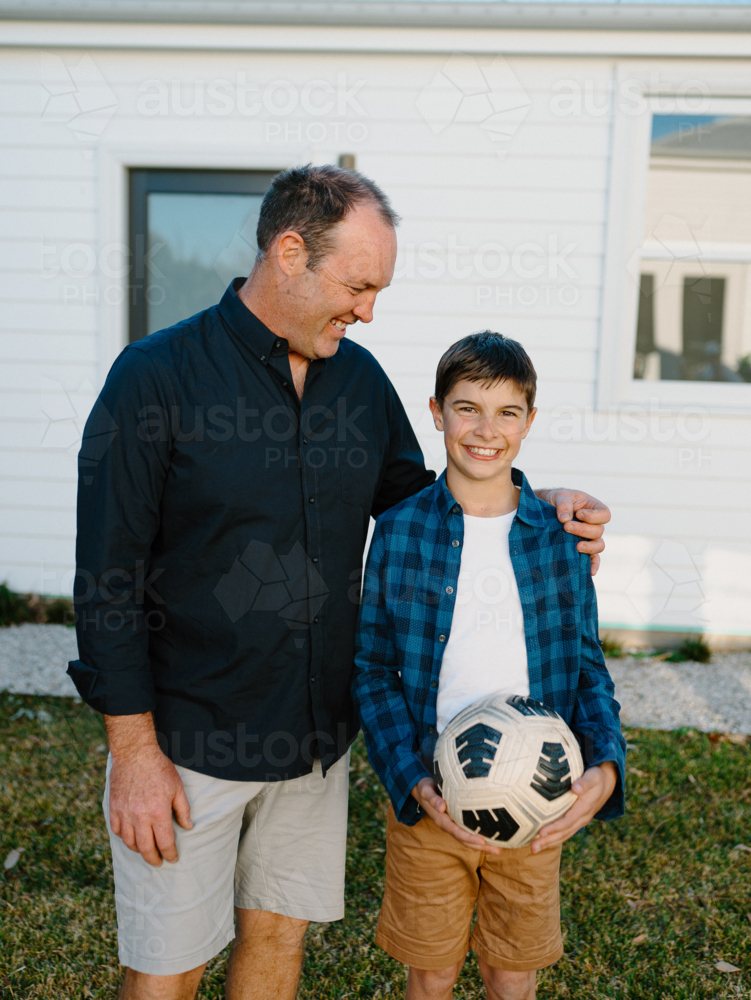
(59, 612)
(691, 649)
(14, 608)
(611, 647)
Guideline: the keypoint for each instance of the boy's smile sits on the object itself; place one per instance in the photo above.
(483, 428)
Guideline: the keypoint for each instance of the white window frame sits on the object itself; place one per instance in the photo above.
(642, 89)
(114, 163)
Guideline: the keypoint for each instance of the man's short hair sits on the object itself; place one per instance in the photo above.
(311, 200)
(486, 357)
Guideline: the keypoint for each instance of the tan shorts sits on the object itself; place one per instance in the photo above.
(433, 884)
(277, 846)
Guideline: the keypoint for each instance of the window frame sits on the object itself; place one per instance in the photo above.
(144, 181)
(640, 90)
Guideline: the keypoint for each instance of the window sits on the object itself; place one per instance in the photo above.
(694, 313)
(191, 232)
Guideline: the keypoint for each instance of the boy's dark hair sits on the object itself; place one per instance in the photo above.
(311, 200)
(486, 357)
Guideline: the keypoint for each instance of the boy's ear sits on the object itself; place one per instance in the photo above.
(530, 420)
(435, 409)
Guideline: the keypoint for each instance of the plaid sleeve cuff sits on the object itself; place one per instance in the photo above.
(615, 807)
(406, 809)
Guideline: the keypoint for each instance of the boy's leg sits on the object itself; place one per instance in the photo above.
(504, 985)
(518, 928)
(431, 889)
(433, 984)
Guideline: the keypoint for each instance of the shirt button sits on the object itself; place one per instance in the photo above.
(304, 440)
(434, 684)
(449, 590)
(311, 499)
(431, 730)
(315, 559)
(263, 357)
(315, 620)
(455, 543)
(278, 343)
(441, 638)
(285, 384)
(457, 509)
(312, 680)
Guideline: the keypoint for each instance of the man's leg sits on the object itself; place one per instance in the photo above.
(141, 986)
(266, 956)
(504, 985)
(433, 984)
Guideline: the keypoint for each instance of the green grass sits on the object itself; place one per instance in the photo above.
(667, 870)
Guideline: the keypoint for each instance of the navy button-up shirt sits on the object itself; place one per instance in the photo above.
(407, 609)
(221, 527)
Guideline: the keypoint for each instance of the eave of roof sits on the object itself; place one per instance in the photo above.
(627, 15)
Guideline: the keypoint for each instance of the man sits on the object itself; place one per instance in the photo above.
(227, 477)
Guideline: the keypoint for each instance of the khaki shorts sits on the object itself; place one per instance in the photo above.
(277, 846)
(433, 884)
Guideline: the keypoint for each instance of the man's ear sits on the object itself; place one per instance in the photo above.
(435, 409)
(291, 254)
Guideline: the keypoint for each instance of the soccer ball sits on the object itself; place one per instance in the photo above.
(504, 767)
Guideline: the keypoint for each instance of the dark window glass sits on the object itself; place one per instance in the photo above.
(645, 324)
(192, 231)
(703, 306)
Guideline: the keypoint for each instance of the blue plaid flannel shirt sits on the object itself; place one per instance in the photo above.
(405, 619)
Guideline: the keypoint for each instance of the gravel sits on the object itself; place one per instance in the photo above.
(712, 697)
(34, 658)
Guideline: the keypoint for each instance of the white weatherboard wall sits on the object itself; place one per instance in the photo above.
(679, 545)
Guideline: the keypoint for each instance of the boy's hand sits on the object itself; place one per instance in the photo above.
(427, 796)
(594, 788)
(590, 513)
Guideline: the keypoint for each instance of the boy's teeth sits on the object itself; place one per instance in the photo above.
(483, 451)
(338, 324)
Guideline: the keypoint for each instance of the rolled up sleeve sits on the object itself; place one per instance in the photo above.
(122, 467)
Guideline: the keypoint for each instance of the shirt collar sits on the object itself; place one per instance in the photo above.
(248, 326)
(531, 509)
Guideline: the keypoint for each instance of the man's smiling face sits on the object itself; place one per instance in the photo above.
(344, 286)
(483, 427)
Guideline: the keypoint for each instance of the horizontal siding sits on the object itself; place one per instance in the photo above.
(452, 188)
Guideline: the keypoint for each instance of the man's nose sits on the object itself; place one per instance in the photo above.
(364, 309)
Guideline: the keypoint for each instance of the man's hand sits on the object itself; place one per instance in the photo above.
(591, 514)
(594, 788)
(145, 789)
(427, 796)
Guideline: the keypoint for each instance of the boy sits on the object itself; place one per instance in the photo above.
(473, 588)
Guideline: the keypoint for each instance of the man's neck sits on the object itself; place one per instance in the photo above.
(490, 498)
(253, 297)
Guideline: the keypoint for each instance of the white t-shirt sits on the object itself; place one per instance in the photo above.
(486, 652)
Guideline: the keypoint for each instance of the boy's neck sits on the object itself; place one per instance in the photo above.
(489, 498)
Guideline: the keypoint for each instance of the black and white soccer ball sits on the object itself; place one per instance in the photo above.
(504, 767)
